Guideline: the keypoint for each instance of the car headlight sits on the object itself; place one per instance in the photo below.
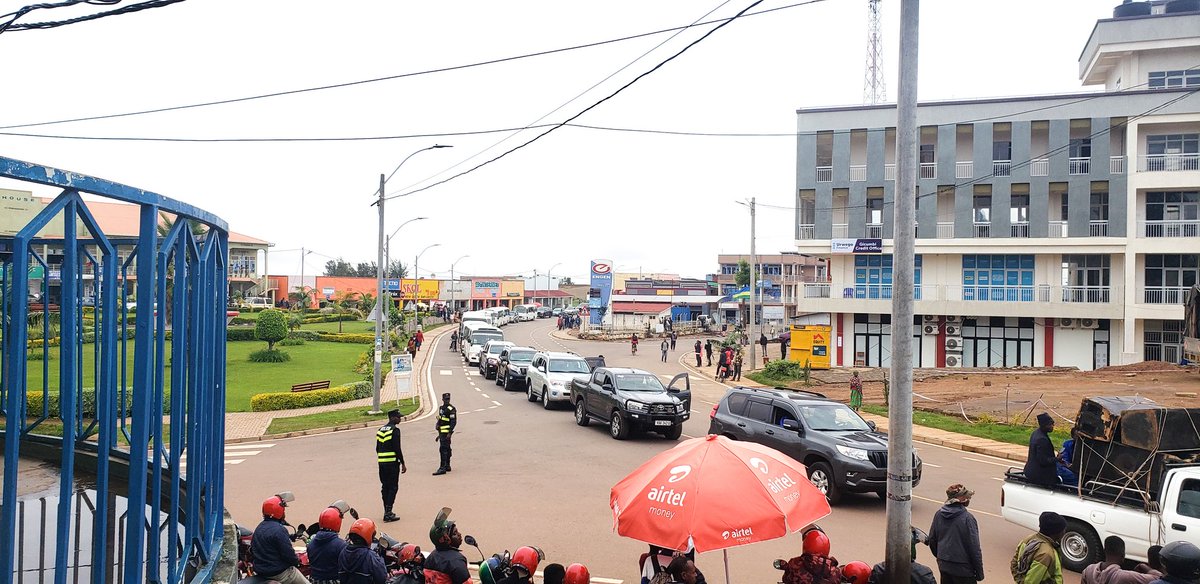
(491, 361)
(678, 408)
(634, 406)
(855, 453)
(557, 383)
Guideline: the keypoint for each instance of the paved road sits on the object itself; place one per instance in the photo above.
(523, 475)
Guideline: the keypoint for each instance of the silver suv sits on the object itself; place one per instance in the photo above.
(548, 378)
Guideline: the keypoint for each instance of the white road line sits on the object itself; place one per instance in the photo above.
(492, 407)
(242, 453)
(479, 410)
(996, 479)
(496, 402)
(445, 372)
(247, 446)
(931, 465)
(990, 462)
(940, 502)
(238, 461)
(486, 396)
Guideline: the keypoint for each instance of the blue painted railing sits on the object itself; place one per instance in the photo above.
(171, 280)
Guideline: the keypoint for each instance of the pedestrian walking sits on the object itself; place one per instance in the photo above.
(722, 364)
(708, 349)
(674, 337)
(391, 462)
(664, 345)
(420, 337)
(737, 367)
(783, 347)
(446, 420)
(762, 341)
(698, 350)
(855, 391)
(1041, 468)
(1036, 560)
(954, 539)
(1110, 571)
(412, 348)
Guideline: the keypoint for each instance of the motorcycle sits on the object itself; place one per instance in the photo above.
(405, 562)
(300, 535)
(499, 566)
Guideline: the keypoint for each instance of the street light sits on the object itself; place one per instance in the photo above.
(453, 287)
(379, 313)
(387, 255)
(417, 279)
(548, 280)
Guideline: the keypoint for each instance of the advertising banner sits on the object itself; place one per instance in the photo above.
(409, 288)
(856, 246)
(483, 289)
(402, 369)
(772, 312)
(601, 290)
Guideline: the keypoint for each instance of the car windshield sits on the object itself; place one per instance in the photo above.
(496, 348)
(638, 382)
(520, 356)
(568, 366)
(832, 417)
(479, 338)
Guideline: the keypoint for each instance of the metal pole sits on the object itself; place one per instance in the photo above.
(753, 282)
(416, 287)
(900, 451)
(303, 255)
(380, 315)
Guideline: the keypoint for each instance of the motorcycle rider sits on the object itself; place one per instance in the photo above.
(1181, 562)
(271, 545)
(445, 565)
(577, 574)
(358, 563)
(856, 572)
(814, 565)
(918, 573)
(633, 341)
(524, 565)
(326, 547)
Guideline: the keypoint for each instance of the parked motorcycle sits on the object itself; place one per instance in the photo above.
(405, 562)
(245, 563)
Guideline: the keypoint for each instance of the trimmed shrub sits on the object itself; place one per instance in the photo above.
(269, 356)
(304, 335)
(358, 338)
(291, 342)
(87, 407)
(271, 327)
(287, 400)
(784, 369)
(242, 320)
(313, 319)
(239, 334)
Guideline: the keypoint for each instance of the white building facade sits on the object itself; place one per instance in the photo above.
(1059, 230)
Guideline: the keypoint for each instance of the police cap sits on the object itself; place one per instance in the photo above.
(446, 396)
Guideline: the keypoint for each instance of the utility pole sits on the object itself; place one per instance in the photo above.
(303, 256)
(753, 284)
(900, 452)
(380, 315)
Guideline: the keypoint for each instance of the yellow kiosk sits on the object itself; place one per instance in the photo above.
(810, 343)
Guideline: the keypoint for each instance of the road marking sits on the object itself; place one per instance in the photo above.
(247, 446)
(238, 461)
(493, 407)
(477, 389)
(496, 402)
(445, 372)
(996, 479)
(242, 453)
(486, 396)
(479, 410)
(988, 462)
(973, 509)
(930, 464)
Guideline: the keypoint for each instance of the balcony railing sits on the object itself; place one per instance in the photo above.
(1039, 167)
(964, 170)
(1057, 229)
(816, 290)
(858, 173)
(889, 172)
(840, 230)
(1001, 168)
(1087, 294)
(1169, 228)
(1098, 228)
(983, 230)
(1041, 293)
(1079, 165)
(1164, 294)
(1116, 165)
(806, 232)
(1169, 162)
(874, 230)
(1038, 293)
(945, 230)
(928, 170)
(824, 174)
(1019, 229)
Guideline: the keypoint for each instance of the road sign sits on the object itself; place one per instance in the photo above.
(402, 370)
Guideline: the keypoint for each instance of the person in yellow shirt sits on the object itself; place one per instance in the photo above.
(1036, 560)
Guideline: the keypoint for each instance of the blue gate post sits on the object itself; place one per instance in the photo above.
(67, 362)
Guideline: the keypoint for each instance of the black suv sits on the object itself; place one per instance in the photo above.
(843, 452)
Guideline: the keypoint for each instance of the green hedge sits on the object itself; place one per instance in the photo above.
(312, 319)
(242, 320)
(286, 400)
(358, 338)
(88, 407)
(239, 334)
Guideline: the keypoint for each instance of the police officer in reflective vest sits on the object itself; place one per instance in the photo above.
(391, 462)
(447, 418)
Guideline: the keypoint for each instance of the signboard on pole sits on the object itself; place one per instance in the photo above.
(402, 371)
(601, 289)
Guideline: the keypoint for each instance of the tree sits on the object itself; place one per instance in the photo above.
(565, 281)
(365, 270)
(396, 269)
(339, 267)
(271, 327)
(743, 274)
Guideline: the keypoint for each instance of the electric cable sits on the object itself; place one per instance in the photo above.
(148, 4)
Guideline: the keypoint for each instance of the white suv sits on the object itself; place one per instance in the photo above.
(548, 378)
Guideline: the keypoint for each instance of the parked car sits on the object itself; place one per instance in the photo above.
(512, 366)
(549, 377)
(472, 338)
(257, 302)
(630, 400)
(557, 310)
(544, 311)
(489, 357)
(842, 452)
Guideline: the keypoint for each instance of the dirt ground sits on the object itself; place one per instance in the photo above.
(1005, 394)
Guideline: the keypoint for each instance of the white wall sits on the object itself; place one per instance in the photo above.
(1073, 348)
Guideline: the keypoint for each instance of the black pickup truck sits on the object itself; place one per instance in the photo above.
(632, 399)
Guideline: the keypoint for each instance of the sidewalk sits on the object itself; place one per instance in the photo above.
(252, 426)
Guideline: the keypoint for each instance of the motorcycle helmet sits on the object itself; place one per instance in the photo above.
(273, 507)
(364, 529)
(330, 519)
(856, 572)
(1181, 560)
(577, 574)
(489, 570)
(526, 558)
(816, 543)
(442, 526)
(410, 553)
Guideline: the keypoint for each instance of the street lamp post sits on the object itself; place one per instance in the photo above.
(417, 279)
(453, 286)
(379, 314)
(387, 261)
(548, 280)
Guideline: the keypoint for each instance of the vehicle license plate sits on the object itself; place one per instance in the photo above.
(662, 422)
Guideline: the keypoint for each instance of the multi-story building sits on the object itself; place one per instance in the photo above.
(781, 277)
(1051, 230)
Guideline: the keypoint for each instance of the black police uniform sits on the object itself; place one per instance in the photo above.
(390, 459)
(447, 418)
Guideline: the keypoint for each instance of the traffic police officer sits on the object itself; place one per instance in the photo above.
(447, 418)
(391, 462)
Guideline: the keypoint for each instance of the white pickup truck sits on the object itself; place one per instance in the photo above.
(1092, 517)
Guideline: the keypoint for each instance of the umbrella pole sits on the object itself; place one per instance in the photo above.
(725, 552)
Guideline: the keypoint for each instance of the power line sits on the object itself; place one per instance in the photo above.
(380, 79)
(148, 4)
(590, 107)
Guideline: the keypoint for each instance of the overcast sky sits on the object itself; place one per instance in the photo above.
(650, 202)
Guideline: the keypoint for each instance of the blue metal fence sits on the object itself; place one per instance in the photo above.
(169, 279)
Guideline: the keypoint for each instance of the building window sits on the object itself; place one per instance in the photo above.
(1085, 277)
(1162, 340)
(1019, 211)
(1007, 278)
(1173, 214)
(875, 211)
(873, 340)
(770, 269)
(1171, 152)
(997, 342)
(982, 208)
(928, 155)
(1098, 210)
(729, 269)
(1173, 79)
(1002, 150)
(1168, 277)
(873, 276)
(1081, 148)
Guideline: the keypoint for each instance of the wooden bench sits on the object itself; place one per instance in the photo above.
(311, 386)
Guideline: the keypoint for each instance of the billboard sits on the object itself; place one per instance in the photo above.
(408, 288)
(856, 246)
(601, 290)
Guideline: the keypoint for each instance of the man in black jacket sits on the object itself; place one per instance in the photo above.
(445, 565)
(271, 545)
(954, 539)
(1040, 465)
(391, 462)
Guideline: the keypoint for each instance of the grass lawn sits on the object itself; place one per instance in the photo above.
(981, 429)
(338, 418)
(348, 326)
(770, 380)
(312, 361)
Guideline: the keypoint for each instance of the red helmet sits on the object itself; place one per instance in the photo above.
(856, 572)
(273, 507)
(364, 528)
(577, 574)
(816, 543)
(527, 558)
(331, 519)
(409, 552)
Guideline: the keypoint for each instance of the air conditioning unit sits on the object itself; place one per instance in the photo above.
(953, 320)
(952, 330)
(1088, 323)
(930, 319)
(953, 360)
(930, 329)
(1067, 323)
(954, 344)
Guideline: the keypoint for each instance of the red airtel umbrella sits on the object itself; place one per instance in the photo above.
(714, 493)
